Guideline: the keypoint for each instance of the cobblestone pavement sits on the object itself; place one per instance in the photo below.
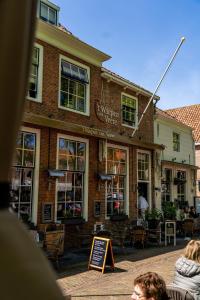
(81, 283)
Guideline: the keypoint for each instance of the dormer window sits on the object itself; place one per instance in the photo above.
(48, 13)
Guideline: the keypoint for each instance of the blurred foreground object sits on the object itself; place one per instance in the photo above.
(24, 273)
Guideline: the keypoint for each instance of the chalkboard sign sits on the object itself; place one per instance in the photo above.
(47, 212)
(101, 254)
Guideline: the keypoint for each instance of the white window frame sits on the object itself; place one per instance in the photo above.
(36, 172)
(179, 141)
(127, 178)
(147, 181)
(85, 202)
(136, 113)
(40, 75)
(49, 6)
(87, 104)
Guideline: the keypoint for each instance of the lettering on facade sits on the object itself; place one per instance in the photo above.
(97, 132)
(106, 114)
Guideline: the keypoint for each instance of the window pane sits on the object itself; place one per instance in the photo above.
(43, 11)
(80, 149)
(81, 90)
(64, 84)
(63, 99)
(52, 16)
(72, 101)
(80, 104)
(29, 141)
(18, 158)
(62, 164)
(72, 87)
(71, 163)
(28, 158)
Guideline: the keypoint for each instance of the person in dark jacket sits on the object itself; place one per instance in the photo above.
(187, 269)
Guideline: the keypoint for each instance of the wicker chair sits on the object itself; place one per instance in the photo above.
(138, 235)
(53, 251)
(188, 227)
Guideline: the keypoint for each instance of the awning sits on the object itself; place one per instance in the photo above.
(104, 177)
(56, 173)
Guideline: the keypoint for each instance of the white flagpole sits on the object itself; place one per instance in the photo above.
(165, 72)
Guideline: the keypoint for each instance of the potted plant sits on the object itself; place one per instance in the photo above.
(169, 210)
(153, 216)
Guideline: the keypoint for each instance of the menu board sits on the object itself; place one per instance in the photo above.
(47, 212)
(101, 254)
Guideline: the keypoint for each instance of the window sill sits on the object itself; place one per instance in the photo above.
(118, 217)
(73, 221)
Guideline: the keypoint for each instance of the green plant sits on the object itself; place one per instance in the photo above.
(153, 214)
(169, 210)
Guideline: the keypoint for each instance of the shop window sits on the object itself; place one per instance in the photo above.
(74, 87)
(22, 175)
(143, 166)
(181, 186)
(176, 142)
(116, 187)
(70, 188)
(48, 13)
(166, 186)
(129, 110)
(35, 79)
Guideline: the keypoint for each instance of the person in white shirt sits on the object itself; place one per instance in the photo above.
(143, 205)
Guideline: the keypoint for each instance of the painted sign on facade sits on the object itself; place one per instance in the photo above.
(106, 114)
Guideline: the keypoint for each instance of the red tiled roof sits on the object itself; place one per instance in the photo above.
(165, 114)
(189, 115)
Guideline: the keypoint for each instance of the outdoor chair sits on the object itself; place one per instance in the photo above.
(138, 236)
(154, 231)
(176, 293)
(188, 227)
(118, 232)
(53, 251)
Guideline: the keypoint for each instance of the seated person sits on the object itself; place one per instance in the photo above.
(149, 286)
(187, 269)
(192, 212)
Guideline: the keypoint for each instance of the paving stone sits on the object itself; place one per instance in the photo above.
(81, 283)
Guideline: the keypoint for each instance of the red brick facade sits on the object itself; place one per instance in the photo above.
(100, 90)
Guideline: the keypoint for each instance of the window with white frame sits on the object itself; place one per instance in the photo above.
(176, 142)
(181, 185)
(70, 188)
(116, 188)
(166, 185)
(48, 13)
(74, 86)
(21, 187)
(129, 110)
(143, 166)
(35, 77)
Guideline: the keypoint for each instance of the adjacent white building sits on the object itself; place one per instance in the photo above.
(175, 170)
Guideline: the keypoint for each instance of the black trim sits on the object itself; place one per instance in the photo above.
(5, 195)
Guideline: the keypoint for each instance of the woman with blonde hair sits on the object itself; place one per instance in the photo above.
(187, 269)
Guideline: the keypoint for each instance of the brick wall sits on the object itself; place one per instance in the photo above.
(49, 108)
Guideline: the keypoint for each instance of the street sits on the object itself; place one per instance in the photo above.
(80, 283)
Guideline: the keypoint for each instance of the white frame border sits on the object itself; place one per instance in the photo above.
(63, 57)
(136, 121)
(85, 202)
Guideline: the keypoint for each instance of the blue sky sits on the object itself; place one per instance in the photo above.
(141, 36)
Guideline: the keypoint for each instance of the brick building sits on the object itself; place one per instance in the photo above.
(74, 151)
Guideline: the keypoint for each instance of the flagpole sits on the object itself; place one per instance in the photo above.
(157, 87)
